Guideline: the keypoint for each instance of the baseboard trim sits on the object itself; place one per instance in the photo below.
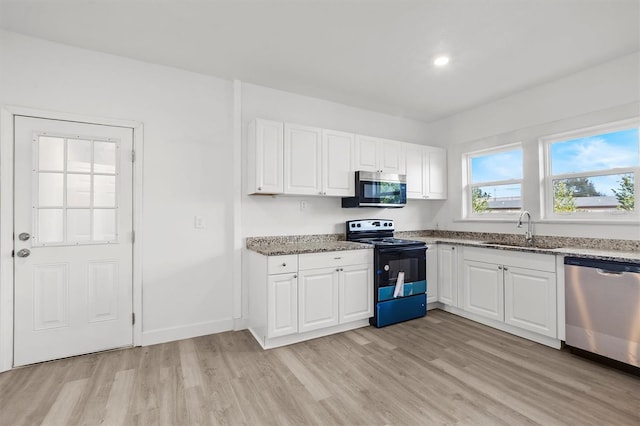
(170, 334)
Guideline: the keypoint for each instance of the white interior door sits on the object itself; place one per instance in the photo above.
(73, 239)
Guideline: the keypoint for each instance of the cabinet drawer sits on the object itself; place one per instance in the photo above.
(335, 258)
(282, 264)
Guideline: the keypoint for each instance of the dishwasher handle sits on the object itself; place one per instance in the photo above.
(609, 273)
(609, 266)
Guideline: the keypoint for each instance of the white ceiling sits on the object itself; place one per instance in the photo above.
(376, 55)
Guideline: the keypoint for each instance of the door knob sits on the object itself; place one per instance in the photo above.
(24, 253)
(24, 236)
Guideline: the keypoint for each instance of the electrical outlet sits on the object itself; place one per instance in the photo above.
(303, 205)
(198, 222)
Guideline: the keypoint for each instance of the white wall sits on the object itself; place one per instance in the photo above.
(281, 215)
(601, 94)
(188, 132)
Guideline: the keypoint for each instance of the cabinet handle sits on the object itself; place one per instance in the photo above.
(295, 275)
(505, 268)
(453, 248)
(337, 258)
(284, 264)
(337, 269)
(500, 267)
(341, 269)
(259, 188)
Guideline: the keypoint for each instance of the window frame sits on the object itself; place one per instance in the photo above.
(546, 187)
(468, 213)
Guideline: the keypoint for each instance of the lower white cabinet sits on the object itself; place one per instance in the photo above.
(297, 297)
(447, 274)
(516, 288)
(318, 299)
(482, 293)
(530, 300)
(356, 293)
(282, 299)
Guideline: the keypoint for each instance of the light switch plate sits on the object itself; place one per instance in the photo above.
(198, 222)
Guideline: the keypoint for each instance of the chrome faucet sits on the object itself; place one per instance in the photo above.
(528, 236)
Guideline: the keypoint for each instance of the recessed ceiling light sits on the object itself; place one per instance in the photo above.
(441, 61)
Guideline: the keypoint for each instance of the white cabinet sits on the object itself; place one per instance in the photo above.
(265, 157)
(448, 274)
(302, 160)
(432, 273)
(318, 299)
(379, 155)
(297, 297)
(426, 171)
(282, 304)
(516, 288)
(530, 300)
(356, 292)
(338, 178)
(482, 289)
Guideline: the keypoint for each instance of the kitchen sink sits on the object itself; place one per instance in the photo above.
(524, 244)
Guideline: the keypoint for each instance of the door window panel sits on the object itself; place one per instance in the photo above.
(50, 153)
(76, 197)
(78, 225)
(50, 226)
(104, 157)
(104, 191)
(78, 190)
(79, 155)
(50, 189)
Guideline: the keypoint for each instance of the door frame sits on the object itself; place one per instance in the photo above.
(7, 115)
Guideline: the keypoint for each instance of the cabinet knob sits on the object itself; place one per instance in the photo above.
(453, 248)
(259, 188)
(284, 264)
(505, 268)
(295, 275)
(500, 267)
(337, 269)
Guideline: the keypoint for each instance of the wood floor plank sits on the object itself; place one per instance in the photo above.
(441, 369)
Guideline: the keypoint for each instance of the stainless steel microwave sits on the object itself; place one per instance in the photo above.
(375, 189)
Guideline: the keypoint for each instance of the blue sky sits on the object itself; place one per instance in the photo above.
(601, 152)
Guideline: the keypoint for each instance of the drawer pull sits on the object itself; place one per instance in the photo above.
(337, 258)
(284, 264)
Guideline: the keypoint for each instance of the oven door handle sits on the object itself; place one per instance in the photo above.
(418, 249)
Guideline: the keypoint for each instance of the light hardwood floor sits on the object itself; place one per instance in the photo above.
(441, 369)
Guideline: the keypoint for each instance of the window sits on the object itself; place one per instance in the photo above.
(592, 173)
(494, 182)
(75, 197)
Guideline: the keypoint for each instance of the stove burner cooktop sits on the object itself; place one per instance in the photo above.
(389, 241)
(378, 232)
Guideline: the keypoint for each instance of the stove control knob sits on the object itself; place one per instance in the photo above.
(386, 267)
(359, 225)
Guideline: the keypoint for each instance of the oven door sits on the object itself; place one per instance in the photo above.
(390, 261)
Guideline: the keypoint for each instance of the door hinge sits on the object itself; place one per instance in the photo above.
(133, 318)
(133, 236)
(13, 253)
(133, 156)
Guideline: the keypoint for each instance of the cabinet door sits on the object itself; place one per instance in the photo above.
(482, 289)
(415, 171)
(530, 300)
(317, 299)
(391, 156)
(432, 273)
(366, 153)
(266, 157)
(282, 305)
(436, 174)
(356, 292)
(338, 177)
(447, 275)
(302, 160)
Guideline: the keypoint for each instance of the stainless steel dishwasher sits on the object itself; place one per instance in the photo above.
(603, 308)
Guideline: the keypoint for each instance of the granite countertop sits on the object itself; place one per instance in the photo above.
(591, 253)
(627, 251)
(276, 246)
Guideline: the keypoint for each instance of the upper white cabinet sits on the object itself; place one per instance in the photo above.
(286, 158)
(265, 157)
(302, 160)
(426, 170)
(337, 163)
(379, 155)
